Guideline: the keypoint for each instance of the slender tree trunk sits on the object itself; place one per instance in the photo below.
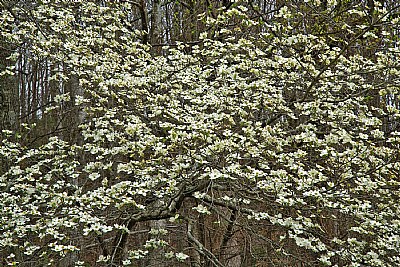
(8, 92)
(144, 21)
(155, 30)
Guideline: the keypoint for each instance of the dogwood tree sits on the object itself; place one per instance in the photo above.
(272, 140)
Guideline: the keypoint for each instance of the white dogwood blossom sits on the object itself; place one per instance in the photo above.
(289, 138)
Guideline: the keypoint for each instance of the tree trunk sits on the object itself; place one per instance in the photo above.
(8, 92)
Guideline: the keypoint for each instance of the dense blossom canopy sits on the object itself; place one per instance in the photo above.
(278, 133)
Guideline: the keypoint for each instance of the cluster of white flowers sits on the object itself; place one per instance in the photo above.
(282, 131)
